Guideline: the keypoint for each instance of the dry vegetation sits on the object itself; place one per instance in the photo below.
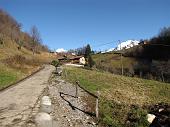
(21, 53)
(15, 65)
(112, 63)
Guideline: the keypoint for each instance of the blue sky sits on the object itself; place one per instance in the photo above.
(71, 24)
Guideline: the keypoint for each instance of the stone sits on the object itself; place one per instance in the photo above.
(46, 105)
(150, 117)
(161, 109)
(59, 70)
(43, 120)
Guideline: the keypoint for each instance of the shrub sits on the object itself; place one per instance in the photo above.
(137, 117)
(55, 63)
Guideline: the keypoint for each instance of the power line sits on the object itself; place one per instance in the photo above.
(102, 44)
(121, 57)
(158, 44)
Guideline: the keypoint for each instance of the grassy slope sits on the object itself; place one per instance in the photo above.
(113, 60)
(119, 94)
(9, 75)
(14, 69)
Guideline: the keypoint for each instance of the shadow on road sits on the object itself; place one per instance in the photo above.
(73, 107)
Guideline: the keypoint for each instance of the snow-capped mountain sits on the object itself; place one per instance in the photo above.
(109, 50)
(124, 45)
(127, 44)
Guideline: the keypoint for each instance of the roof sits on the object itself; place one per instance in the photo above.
(70, 58)
(75, 57)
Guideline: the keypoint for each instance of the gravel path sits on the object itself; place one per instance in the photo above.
(17, 102)
(68, 110)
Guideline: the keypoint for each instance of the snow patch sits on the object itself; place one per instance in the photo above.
(61, 50)
(127, 44)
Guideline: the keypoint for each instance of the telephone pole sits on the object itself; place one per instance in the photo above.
(121, 57)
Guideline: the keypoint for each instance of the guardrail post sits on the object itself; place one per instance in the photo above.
(65, 73)
(76, 90)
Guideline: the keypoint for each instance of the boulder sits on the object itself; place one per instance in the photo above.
(150, 117)
(43, 120)
(46, 105)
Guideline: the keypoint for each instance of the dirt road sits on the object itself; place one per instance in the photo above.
(17, 102)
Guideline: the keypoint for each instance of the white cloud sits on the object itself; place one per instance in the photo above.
(61, 50)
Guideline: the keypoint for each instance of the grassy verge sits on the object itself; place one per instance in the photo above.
(9, 76)
(16, 64)
(122, 98)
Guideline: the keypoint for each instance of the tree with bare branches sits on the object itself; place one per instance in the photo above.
(36, 40)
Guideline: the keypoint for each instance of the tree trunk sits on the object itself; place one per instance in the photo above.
(162, 76)
(141, 74)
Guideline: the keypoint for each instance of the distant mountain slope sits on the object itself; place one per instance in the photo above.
(156, 48)
(10, 29)
(127, 44)
(124, 45)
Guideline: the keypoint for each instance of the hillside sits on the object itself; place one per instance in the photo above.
(124, 45)
(112, 63)
(120, 96)
(21, 53)
(16, 64)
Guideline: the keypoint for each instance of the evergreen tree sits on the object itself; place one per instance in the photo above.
(87, 51)
(90, 61)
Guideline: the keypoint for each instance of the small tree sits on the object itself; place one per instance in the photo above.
(1, 39)
(87, 51)
(35, 35)
(90, 61)
(165, 32)
(20, 43)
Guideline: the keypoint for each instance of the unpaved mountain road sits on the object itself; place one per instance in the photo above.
(17, 102)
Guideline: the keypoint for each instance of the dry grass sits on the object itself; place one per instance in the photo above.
(14, 61)
(112, 62)
(9, 75)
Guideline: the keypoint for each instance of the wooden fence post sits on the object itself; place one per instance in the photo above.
(97, 105)
(76, 90)
(65, 73)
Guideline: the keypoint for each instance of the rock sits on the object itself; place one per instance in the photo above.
(46, 104)
(161, 109)
(59, 70)
(150, 117)
(43, 120)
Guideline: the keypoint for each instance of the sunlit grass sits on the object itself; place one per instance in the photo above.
(119, 93)
(8, 76)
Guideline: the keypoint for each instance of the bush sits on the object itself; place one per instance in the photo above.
(91, 62)
(137, 117)
(55, 63)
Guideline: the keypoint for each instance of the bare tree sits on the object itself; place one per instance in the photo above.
(36, 40)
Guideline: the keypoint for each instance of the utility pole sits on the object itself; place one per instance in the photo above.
(121, 57)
